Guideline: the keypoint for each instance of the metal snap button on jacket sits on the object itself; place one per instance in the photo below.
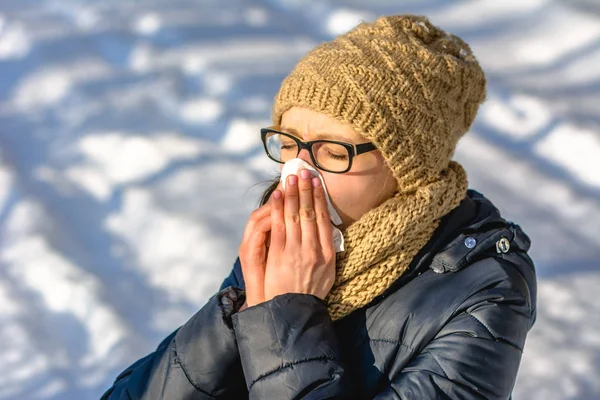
(470, 242)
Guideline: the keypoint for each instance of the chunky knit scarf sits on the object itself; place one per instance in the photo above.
(383, 242)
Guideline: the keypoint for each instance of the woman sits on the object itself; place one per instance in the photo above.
(433, 293)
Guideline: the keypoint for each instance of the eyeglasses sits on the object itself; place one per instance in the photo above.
(327, 155)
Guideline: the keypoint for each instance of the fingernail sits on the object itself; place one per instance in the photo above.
(305, 174)
(292, 179)
(277, 194)
(316, 182)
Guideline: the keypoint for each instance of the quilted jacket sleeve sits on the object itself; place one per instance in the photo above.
(198, 361)
(289, 350)
(476, 354)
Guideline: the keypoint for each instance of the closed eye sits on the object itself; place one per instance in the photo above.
(336, 156)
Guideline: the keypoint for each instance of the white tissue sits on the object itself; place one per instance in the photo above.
(293, 167)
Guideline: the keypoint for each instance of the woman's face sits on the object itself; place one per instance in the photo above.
(353, 193)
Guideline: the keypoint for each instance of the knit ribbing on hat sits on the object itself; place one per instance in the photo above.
(405, 85)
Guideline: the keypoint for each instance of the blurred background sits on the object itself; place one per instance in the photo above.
(130, 158)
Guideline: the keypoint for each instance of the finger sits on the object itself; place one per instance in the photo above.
(290, 211)
(261, 231)
(252, 258)
(278, 187)
(254, 250)
(323, 221)
(278, 229)
(256, 216)
(306, 211)
(254, 242)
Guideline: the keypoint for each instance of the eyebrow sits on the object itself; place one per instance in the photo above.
(319, 135)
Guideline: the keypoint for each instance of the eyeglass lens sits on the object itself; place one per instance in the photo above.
(330, 156)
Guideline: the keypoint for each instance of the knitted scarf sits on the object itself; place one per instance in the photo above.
(380, 246)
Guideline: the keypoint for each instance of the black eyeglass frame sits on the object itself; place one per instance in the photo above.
(353, 149)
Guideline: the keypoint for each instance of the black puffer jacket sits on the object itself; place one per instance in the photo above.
(452, 327)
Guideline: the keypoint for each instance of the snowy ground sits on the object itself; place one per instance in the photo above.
(129, 154)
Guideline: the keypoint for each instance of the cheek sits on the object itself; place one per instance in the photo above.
(348, 195)
(336, 190)
(354, 195)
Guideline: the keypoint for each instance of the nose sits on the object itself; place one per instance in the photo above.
(305, 156)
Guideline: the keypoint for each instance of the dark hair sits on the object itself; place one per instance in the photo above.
(267, 193)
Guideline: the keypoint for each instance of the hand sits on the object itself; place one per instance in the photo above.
(301, 256)
(253, 254)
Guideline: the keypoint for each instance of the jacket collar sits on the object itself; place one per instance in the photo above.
(473, 230)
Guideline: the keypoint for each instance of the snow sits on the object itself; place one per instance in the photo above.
(147, 24)
(116, 158)
(574, 149)
(201, 110)
(14, 42)
(257, 16)
(342, 20)
(130, 160)
(241, 136)
(517, 115)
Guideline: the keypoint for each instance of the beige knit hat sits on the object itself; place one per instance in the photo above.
(405, 85)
